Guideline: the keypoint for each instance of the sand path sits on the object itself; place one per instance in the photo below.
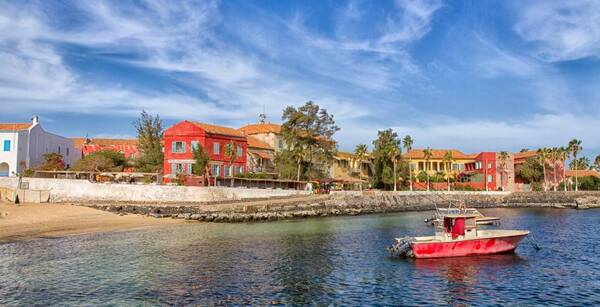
(28, 221)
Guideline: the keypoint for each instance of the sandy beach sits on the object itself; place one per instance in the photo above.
(28, 221)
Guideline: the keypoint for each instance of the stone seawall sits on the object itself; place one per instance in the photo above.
(352, 204)
(69, 190)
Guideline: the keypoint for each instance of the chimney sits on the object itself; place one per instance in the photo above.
(35, 120)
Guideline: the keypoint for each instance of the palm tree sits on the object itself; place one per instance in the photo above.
(393, 153)
(360, 152)
(597, 163)
(298, 152)
(575, 146)
(542, 156)
(231, 153)
(563, 156)
(407, 142)
(503, 158)
(448, 163)
(554, 156)
(427, 155)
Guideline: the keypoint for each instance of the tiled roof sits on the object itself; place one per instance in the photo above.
(14, 126)
(582, 173)
(261, 128)
(525, 154)
(79, 142)
(214, 129)
(437, 154)
(254, 142)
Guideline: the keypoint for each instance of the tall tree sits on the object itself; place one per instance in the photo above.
(597, 163)
(448, 165)
(150, 134)
(310, 129)
(581, 163)
(231, 154)
(385, 148)
(554, 156)
(542, 157)
(531, 170)
(427, 153)
(360, 153)
(575, 146)
(52, 162)
(394, 154)
(564, 155)
(503, 158)
(201, 160)
(407, 143)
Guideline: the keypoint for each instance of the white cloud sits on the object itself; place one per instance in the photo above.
(540, 130)
(561, 30)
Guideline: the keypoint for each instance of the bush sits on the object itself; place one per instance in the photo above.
(28, 173)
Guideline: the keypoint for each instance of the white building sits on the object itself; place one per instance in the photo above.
(23, 145)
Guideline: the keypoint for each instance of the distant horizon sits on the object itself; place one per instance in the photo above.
(469, 75)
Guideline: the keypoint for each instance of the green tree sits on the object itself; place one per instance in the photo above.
(542, 156)
(407, 143)
(150, 134)
(286, 164)
(503, 158)
(427, 153)
(308, 130)
(231, 154)
(564, 155)
(360, 153)
(448, 165)
(52, 162)
(531, 170)
(575, 148)
(201, 160)
(581, 163)
(597, 163)
(96, 162)
(386, 149)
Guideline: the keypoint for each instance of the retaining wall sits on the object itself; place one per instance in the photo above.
(353, 204)
(71, 190)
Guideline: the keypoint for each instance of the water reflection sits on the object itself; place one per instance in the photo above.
(321, 261)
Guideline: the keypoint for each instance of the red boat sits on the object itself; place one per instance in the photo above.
(459, 236)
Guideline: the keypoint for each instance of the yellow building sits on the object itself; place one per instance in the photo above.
(437, 163)
(345, 167)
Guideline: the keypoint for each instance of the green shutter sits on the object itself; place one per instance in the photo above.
(190, 169)
(173, 149)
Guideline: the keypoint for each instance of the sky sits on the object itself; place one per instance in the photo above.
(473, 75)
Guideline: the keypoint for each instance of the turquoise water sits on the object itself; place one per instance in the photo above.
(338, 260)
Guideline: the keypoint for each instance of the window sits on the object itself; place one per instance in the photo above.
(280, 144)
(67, 151)
(489, 178)
(216, 148)
(227, 170)
(240, 151)
(178, 147)
(58, 149)
(6, 145)
(240, 170)
(215, 170)
(177, 168)
(489, 165)
(194, 145)
(189, 169)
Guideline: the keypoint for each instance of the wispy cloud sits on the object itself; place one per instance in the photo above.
(561, 30)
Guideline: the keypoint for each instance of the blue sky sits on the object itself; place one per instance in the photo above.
(473, 75)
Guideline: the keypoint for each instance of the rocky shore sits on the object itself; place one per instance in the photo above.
(350, 204)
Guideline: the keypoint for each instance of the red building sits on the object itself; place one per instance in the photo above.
(183, 136)
(128, 147)
(482, 171)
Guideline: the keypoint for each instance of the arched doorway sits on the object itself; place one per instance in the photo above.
(4, 169)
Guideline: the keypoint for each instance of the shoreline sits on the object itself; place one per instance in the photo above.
(32, 221)
(346, 204)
